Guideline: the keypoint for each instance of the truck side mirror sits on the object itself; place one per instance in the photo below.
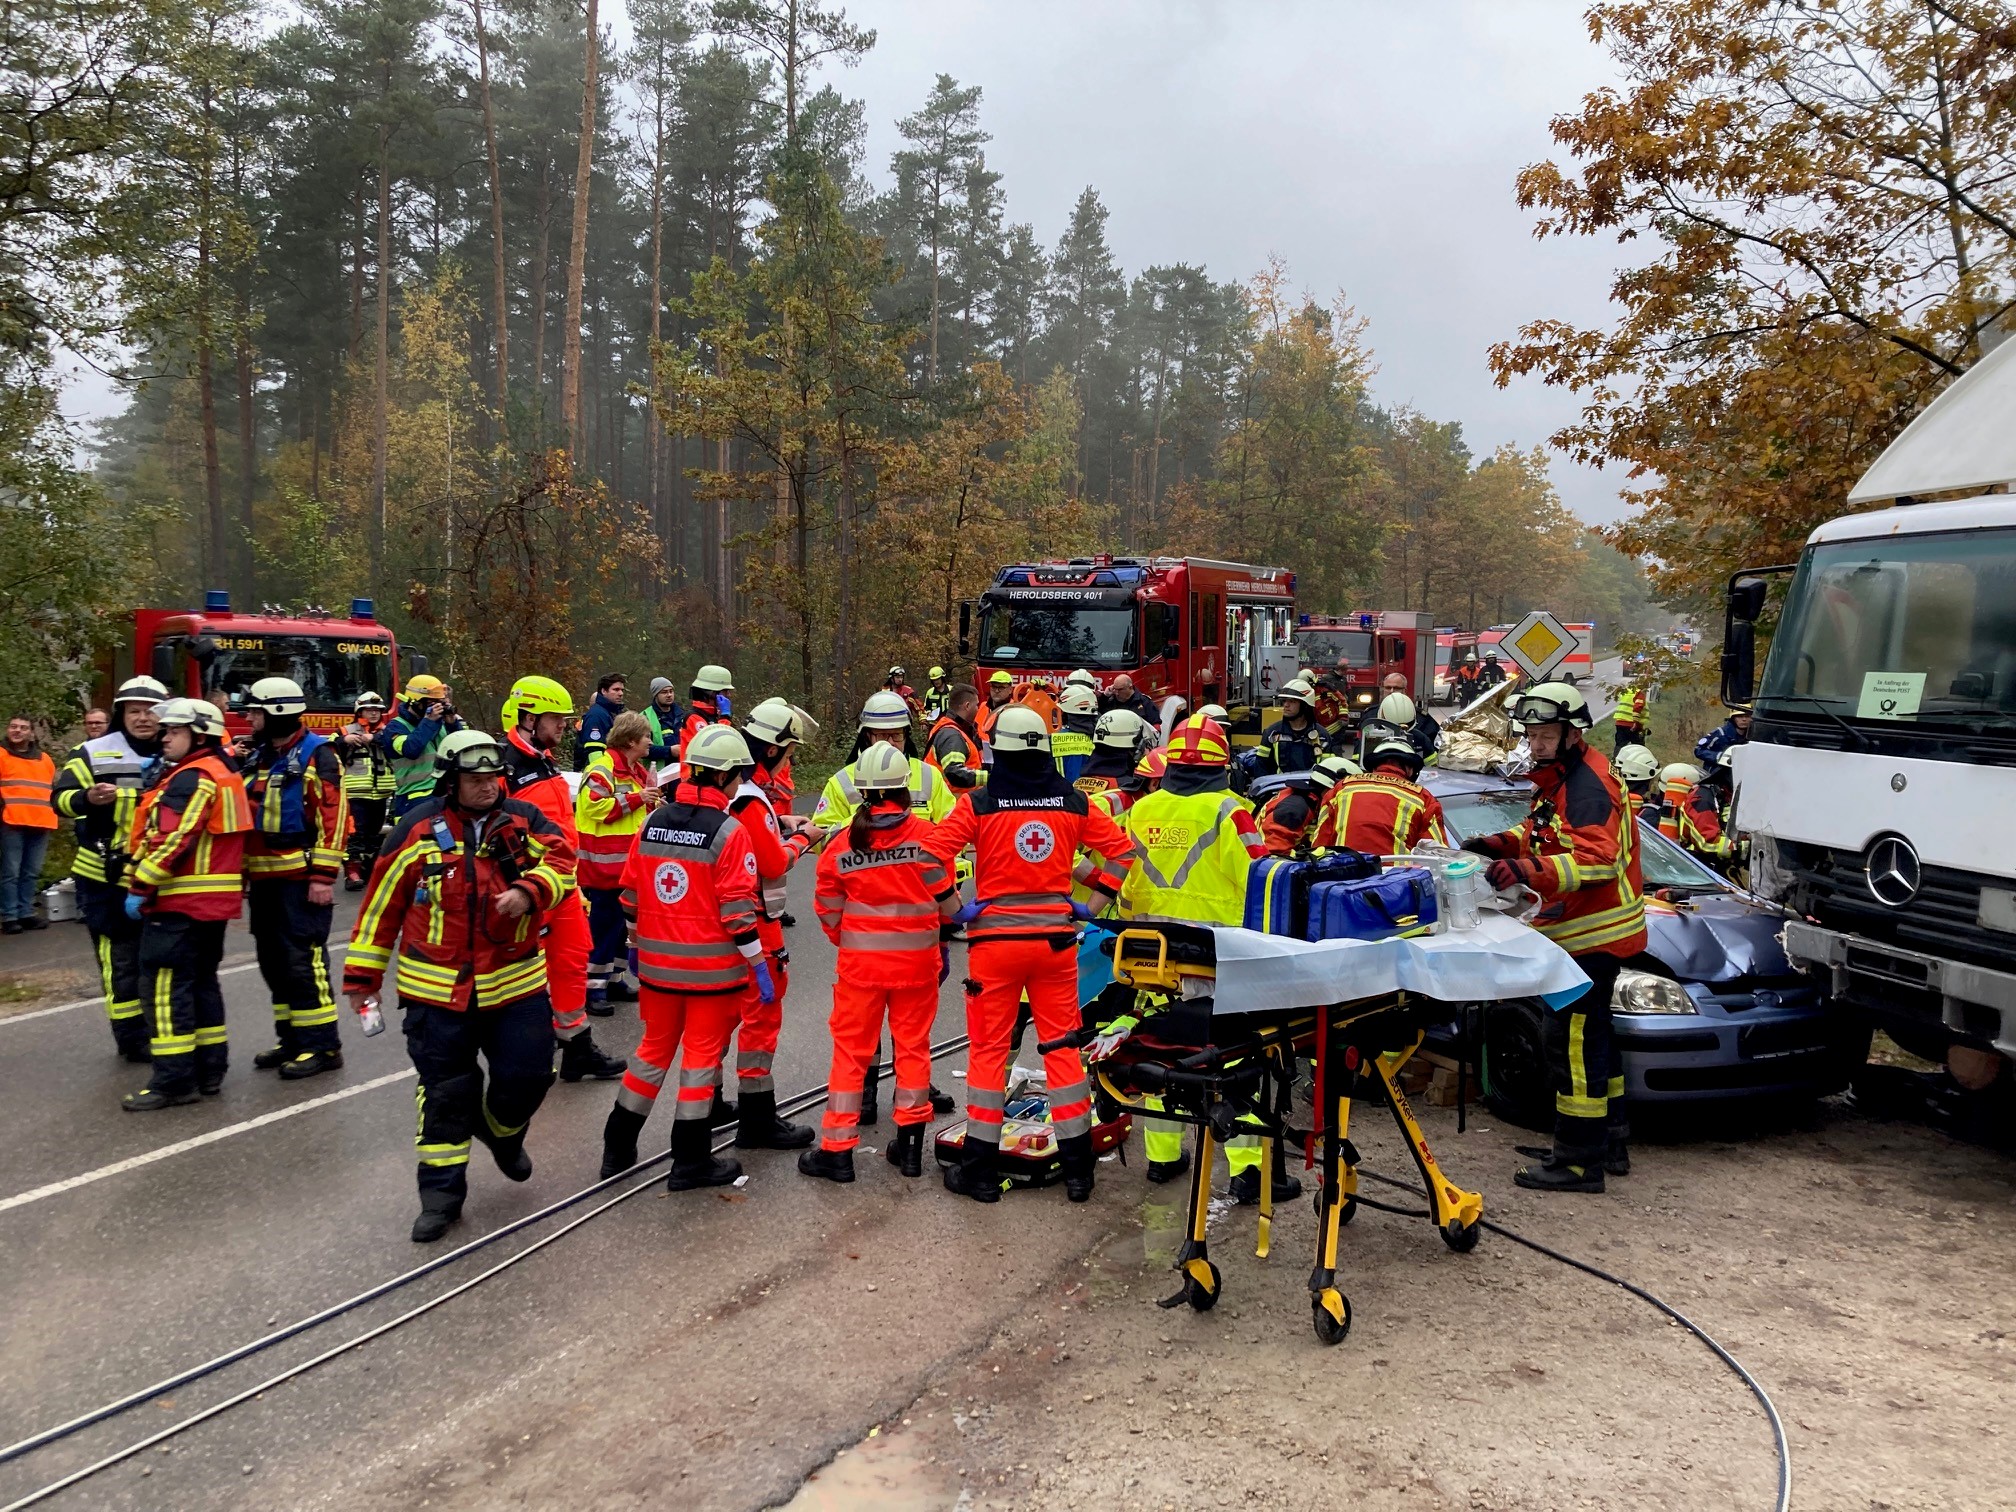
(1172, 632)
(1746, 599)
(1739, 658)
(966, 628)
(416, 663)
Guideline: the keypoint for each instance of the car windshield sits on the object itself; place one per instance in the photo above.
(331, 670)
(1663, 863)
(1056, 635)
(1905, 628)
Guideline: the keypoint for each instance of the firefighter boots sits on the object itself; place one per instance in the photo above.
(1160, 1171)
(759, 1128)
(906, 1153)
(833, 1165)
(978, 1173)
(619, 1140)
(580, 1056)
(694, 1163)
(1553, 1175)
(309, 1063)
(437, 1211)
(1076, 1152)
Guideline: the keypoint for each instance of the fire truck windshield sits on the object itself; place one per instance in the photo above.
(1325, 648)
(1056, 635)
(331, 669)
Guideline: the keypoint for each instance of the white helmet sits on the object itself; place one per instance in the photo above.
(772, 722)
(1397, 709)
(885, 710)
(1217, 712)
(718, 748)
(277, 695)
(1119, 727)
(1299, 688)
(1078, 699)
(714, 679)
(1018, 728)
(140, 690)
(882, 766)
(1082, 679)
(1680, 774)
(199, 714)
(1636, 763)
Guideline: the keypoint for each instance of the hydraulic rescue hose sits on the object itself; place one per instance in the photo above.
(1757, 1390)
(795, 1104)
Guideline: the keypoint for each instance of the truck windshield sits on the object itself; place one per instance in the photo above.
(1056, 635)
(1912, 628)
(332, 670)
(1325, 648)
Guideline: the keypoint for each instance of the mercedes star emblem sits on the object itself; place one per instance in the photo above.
(1893, 871)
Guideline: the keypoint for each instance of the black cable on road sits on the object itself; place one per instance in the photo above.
(1757, 1390)
(48, 1436)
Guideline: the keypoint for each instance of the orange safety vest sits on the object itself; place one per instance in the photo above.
(25, 783)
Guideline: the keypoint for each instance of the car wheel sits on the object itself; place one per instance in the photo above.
(1514, 1070)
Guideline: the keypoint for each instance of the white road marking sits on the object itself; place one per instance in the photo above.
(94, 1002)
(120, 1167)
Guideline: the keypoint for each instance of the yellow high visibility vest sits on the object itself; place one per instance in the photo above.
(1191, 864)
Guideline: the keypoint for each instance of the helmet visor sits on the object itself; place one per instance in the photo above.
(1540, 711)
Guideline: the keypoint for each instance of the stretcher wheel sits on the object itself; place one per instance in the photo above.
(1460, 1236)
(1329, 1329)
(1203, 1298)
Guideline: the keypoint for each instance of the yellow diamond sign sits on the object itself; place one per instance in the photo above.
(1539, 644)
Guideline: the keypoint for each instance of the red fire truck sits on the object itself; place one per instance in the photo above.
(1205, 631)
(217, 654)
(1374, 644)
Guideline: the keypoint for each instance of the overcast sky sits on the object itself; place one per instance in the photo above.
(1370, 144)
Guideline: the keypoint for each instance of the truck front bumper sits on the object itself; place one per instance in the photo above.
(1977, 1004)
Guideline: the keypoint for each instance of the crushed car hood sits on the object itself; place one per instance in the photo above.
(1716, 939)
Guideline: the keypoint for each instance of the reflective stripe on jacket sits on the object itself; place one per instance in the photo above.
(1194, 851)
(608, 812)
(300, 814)
(1379, 814)
(1024, 852)
(188, 840)
(690, 888)
(103, 829)
(434, 893)
(931, 797)
(884, 906)
(1581, 850)
(367, 769)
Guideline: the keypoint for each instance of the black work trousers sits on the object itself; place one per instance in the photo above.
(516, 1042)
(1586, 1066)
(178, 967)
(116, 941)
(367, 818)
(291, 936)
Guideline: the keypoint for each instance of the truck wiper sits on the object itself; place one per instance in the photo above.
(1854, 734)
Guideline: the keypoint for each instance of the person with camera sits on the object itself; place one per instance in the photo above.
(413, 737)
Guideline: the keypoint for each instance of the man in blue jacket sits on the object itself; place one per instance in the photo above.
(593, 738)
(1732, 732)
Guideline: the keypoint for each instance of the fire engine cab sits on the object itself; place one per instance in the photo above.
(1188, 627)
(217, 654)
(1373, 644)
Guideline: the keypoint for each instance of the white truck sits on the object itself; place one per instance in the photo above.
(1879, 781)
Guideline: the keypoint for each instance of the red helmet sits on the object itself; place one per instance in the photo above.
(1153, 765)
(1200, 741)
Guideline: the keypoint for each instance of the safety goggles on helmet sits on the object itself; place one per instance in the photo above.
(471, 753)
(772, 722)
(1551, 703)
(1078, 699)
(144, 690)
(885, 711)
(276, 695)
(898, 672)
(714, 679)
(882, 766)
(1200, 741)
(1020, 729)
(1636, 763)
(718, 748)
(368, 701)
(1122, 728)
(534, 694)
(197, 714)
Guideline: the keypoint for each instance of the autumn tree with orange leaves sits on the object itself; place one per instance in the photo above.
(1818, 203)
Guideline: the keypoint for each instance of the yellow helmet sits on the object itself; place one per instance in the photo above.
(534, 694)
(425, 685)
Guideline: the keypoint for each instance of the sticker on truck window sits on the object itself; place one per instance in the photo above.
(1890, 695)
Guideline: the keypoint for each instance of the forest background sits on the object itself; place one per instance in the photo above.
(577, 358)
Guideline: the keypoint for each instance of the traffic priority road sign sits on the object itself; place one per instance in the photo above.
(1538, 643)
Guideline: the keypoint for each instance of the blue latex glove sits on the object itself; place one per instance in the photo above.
(969, 913)
(133, 902)
(1082, 911)
(766, 985)
(722, 706)
(944, 963)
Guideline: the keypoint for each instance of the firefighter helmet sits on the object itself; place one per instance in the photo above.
(1021, 729)
(472, 753)
(1332, 770)
(1153, 765)
(1299, 688)
(1396, 748)
(1551, 703)
(1082, 679)
(885, 711)
(276, 695)
(882, 768)
(140, 690)
(718, 748)
(198, 714)
(803, 726)
(1217, 712)
(1199, 741)
(424, 686)
(936, 673)
(772, 722)
(368, 700)
(1680, 774)
(1078, 698)
(1119, 727)
(1397, 709)
(534, 694)
(1001, 679)
(714, 679)
(1636, 763)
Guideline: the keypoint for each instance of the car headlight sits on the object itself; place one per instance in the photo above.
(1643, 992)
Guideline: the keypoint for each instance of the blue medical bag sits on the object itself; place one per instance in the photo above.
(1399, 901)
(1277, 889)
